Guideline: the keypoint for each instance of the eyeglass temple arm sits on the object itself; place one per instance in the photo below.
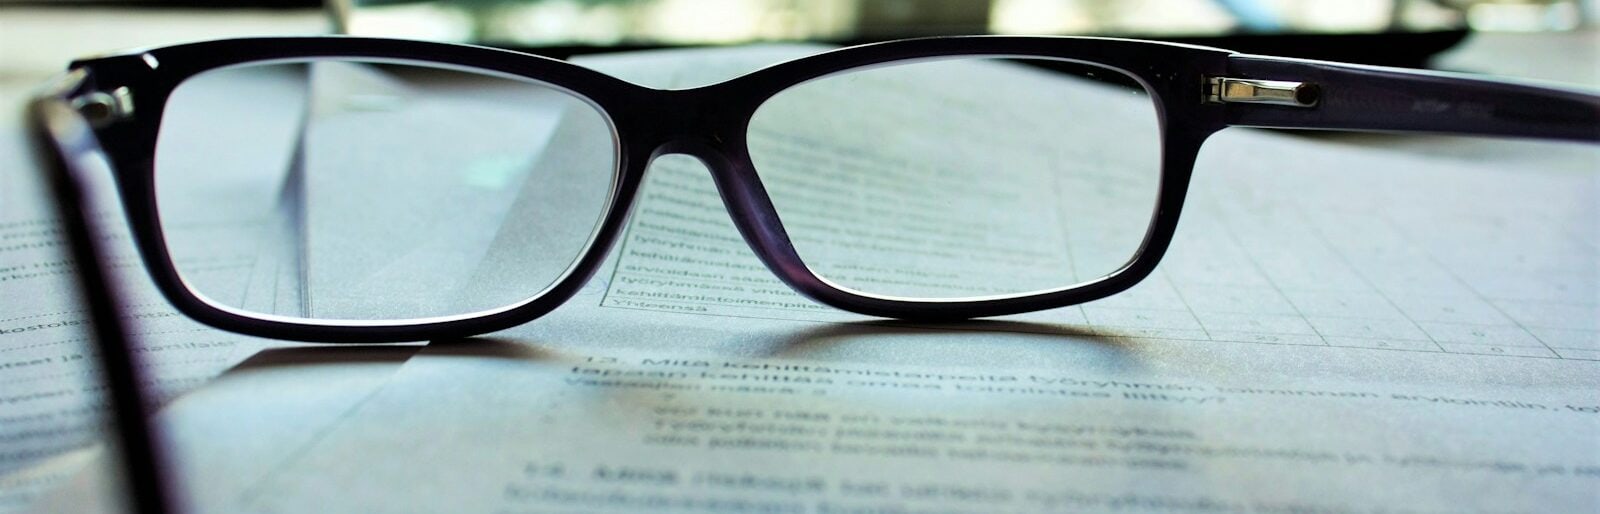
(1337, 96)
(61, 138)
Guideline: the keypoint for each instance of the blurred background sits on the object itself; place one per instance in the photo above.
(1385, 32)
(555, 22)
(1391, 32)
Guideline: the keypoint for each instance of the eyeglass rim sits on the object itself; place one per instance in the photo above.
(151, 75)
(709, 123)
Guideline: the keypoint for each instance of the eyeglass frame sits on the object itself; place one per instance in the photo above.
(1197, 91)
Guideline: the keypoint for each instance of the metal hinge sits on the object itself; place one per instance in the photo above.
(100, 108)
(1249, 91)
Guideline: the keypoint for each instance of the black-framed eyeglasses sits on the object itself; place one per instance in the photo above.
(337, 189)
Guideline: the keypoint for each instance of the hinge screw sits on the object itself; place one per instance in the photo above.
(100, 108)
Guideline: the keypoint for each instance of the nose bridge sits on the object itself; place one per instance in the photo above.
(698, 122)
(707, 123)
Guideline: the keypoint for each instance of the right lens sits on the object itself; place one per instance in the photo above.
(962, 178)
(377, 191)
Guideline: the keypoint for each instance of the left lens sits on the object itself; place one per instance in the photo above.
(377, 191)
(962, 178)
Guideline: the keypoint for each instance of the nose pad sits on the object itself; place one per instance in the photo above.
(743, 197)
(734, 189)
(727, 177)
(680, 250)
(678, 231)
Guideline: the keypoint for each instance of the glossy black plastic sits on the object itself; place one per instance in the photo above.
(710, 123)
(58, 136)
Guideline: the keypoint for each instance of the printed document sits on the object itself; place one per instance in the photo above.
(50, 401)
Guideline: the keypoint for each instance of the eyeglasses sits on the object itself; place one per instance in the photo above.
(339, 189)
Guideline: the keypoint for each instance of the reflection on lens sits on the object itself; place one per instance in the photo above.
(333, 190)
(962, 178)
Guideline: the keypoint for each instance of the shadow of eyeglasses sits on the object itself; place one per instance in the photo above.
(790, 344)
